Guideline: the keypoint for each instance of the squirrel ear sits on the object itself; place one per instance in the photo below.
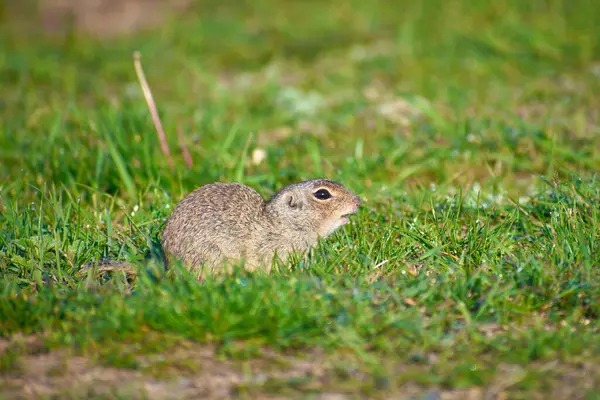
(294, 202)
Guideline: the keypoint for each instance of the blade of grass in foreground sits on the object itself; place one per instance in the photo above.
(121, 167)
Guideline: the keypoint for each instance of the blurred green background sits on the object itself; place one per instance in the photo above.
(453, 83)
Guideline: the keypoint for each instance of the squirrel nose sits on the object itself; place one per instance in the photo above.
(357, 201)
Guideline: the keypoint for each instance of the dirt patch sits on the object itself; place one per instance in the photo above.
(190, 370)
(57, 373)
(99, 18)
(187, 371)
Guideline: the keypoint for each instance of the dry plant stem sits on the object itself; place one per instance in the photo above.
(184, 150)
(152, 108)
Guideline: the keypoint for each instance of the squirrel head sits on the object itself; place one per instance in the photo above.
(320, 206)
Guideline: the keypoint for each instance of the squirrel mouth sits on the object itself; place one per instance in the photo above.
(345, 218)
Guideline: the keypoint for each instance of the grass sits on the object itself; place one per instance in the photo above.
(470, 130)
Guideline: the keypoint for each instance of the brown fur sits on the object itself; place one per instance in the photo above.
(220, 222)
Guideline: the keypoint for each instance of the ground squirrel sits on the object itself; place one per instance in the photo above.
(231, 221)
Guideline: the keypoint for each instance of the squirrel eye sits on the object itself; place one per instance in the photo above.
(322, 194)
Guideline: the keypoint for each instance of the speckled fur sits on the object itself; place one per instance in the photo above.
(230, 221)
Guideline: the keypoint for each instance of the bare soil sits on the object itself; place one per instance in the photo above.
(192, 370)
(98, 18)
